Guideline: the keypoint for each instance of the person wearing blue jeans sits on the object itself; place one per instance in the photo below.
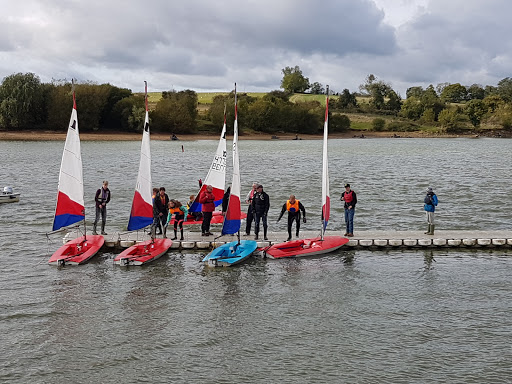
(350, 200)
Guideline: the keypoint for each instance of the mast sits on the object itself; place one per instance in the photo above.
(326, 203)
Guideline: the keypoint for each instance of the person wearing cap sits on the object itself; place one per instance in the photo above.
(101, 198)
(260, 205)
(250, 210)
(430, 203)
(350, 200)
(294, 208)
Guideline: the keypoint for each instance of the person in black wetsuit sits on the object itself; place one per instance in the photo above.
(294, 208)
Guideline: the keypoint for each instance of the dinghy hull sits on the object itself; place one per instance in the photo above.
(143, 253)
(231, 253)
(304, 247)
(77, 251)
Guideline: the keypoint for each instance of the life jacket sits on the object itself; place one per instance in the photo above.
(176, 210)
(292, 207)
(348, 197)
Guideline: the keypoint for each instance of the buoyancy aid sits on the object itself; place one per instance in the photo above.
(292, 207)
(175, 210)
(348, 197)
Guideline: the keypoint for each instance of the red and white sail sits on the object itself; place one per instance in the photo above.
(141, 214)
(326, 200)
(216, 176)
(234, 212)
(70, 197)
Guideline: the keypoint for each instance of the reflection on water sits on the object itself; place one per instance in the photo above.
(351, 316)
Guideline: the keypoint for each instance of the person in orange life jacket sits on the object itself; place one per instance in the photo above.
(156, 219)
(207, 199)
(250, 210)
(160, 208)
(350, 199)
(260, 205)
(430, 203)
(225, 201)
(102, 198)
(294, 207)
(180, 213)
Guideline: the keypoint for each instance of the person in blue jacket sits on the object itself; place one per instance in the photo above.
(430, 203)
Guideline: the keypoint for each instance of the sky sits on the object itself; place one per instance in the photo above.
(207, 45)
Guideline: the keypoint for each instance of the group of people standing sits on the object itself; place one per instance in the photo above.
(165, 210)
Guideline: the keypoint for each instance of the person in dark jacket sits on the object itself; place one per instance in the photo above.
(160, 208)
(207, 199)
(250, 211)
(294, 208)
(350, 200)
(225, 201)
(102, 198)
(260, 206)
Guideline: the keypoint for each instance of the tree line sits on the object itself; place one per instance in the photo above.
(454, 107)
(27, 103)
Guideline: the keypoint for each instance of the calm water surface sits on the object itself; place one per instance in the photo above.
(411, 316)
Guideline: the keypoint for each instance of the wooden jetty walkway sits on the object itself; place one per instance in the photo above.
(362, 240)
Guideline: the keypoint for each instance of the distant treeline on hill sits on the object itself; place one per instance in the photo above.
(26, 103)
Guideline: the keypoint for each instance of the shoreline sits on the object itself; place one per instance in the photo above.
(124, 136)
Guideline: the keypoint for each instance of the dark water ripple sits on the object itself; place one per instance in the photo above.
(353, 316)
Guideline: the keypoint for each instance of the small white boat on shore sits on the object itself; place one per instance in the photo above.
(9, 196)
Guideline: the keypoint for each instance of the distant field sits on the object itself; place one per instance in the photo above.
(207, 97)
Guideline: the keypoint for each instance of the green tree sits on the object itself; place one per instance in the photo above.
(378, 90)
(294, 81)
(454, 93)
(411, 108)
(429, 99)
(416, 92)
(130, 113)
(394, 103)
(475, 110)
(428, 116)
(22, 101)
(505, 89)
(339, 123)
(504, 115)
(176, 112)
(347, 100)
(317, 88)
(452, 119)
(476, 92)
(91, 100)
(378, 124)
(493, 102)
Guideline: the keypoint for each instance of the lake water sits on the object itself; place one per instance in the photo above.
(355, 316)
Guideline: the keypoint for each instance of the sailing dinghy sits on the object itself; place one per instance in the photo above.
(216, 177)
(321, 244)
(237, 251)
(70, 201)
(141, 215)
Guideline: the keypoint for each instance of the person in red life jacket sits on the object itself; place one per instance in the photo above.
(294, 208)
(160, 208)
(350, 200)
(260, 206)
(179, 212)
(102, 198)
(207, 199)
(250, 210)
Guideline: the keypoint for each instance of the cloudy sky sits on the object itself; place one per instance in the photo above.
(208, 45)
